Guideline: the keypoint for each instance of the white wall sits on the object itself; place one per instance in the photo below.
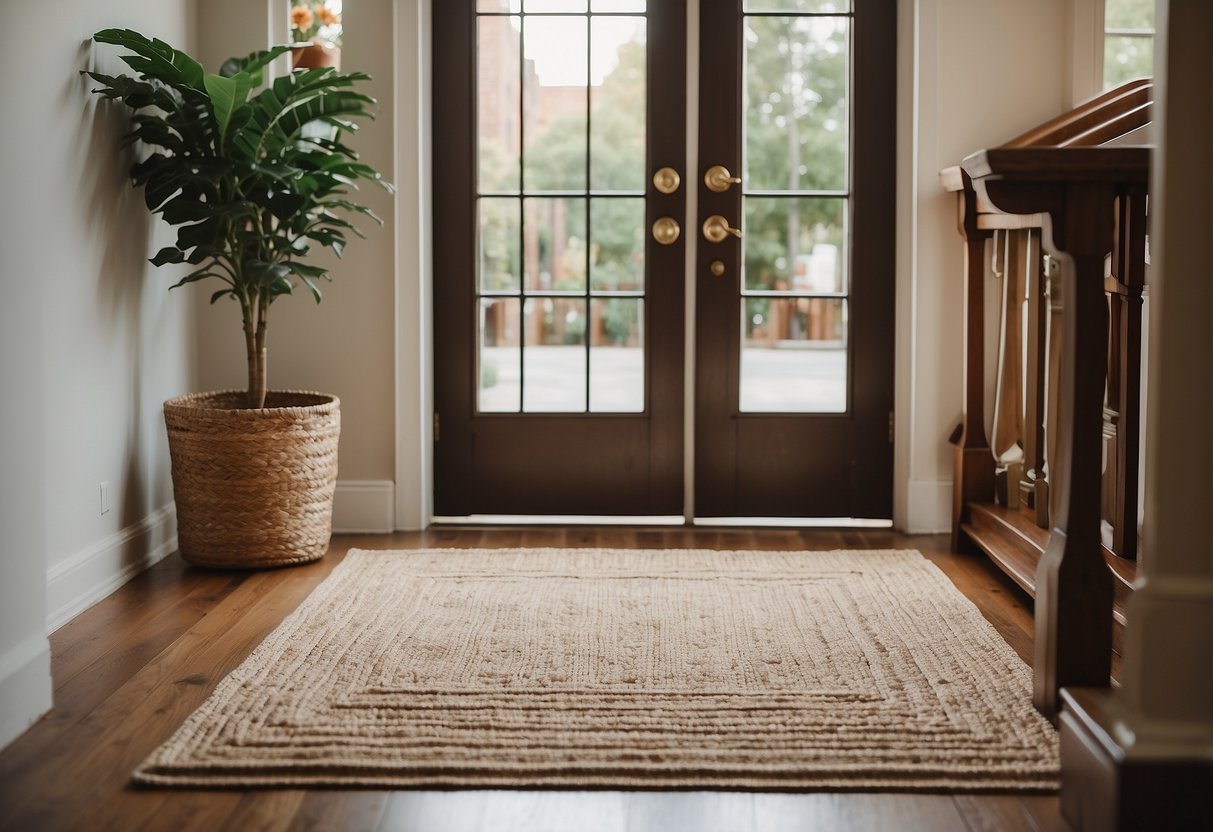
(92, 341)
(973, 73)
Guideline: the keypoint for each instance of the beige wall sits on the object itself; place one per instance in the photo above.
(92, 341)
(974, 73)
(344, 345)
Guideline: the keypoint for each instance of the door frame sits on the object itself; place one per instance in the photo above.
(488, 462)
(412, 491)
(853, 475)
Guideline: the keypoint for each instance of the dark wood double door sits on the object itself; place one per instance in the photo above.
(561, 244)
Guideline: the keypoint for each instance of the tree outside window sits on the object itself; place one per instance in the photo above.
(1128, 41)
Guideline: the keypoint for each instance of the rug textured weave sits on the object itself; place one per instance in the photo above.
(597, 668)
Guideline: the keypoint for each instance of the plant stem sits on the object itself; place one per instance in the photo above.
(250, 350)
(259, 390)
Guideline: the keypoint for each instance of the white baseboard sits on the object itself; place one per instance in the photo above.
(928, 507)
(25, 686)
(364, 506)
(90, 575)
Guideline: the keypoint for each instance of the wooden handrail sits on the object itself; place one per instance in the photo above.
(1063, 129)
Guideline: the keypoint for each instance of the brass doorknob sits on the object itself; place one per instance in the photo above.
(718, 179)
(716, 229)
(666, 230)
(666, 180)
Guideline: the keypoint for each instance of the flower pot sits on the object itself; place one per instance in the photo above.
(320, 53)
(254, 487)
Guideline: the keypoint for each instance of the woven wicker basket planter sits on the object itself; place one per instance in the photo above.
(254, 488)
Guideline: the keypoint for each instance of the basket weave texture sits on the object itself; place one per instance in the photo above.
(254, 487)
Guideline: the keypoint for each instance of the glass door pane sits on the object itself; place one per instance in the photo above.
(561, 143)
(795, 207)
(558, 316)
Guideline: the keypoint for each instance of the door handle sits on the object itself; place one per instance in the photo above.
(716, 229)
(718, 179)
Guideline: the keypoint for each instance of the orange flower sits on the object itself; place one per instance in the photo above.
(301, 17)
(328, 17)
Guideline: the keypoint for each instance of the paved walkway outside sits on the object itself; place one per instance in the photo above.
(772, 380)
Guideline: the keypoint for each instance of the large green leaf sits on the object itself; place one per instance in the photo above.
(252, 181)
(264, 274)
(194, 277)
(280, 111)
(252, 64)
(154, 58)
(227, 96)
(168, 254)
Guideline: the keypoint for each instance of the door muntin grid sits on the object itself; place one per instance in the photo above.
(796, 173)
(560, 206)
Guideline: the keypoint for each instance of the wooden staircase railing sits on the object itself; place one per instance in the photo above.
(1050, 491)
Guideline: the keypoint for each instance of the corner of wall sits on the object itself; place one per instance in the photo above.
(25, 686)
(364, 506)
(81, 580)
(903, 398)
(414, 273)
(928, 507)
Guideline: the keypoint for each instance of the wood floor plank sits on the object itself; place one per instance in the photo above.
(202, 811)
(115, 652)
(903, 812)
(133, 643)
(428, 811)
(796, 813)
(682, 537)
(506, 537)
(1045, 813)
(813, 540)
(554, 811)
(267, 811)
(780, 539)
(993, 813)
(651, 539)
(582, 537)
(449, 536)
(350, 811)
(686, 811)
(543, 537)
(119, 809)
(129, 671)
(125, 728)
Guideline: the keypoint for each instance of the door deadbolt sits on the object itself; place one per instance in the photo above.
(666, 180)
(666, 230)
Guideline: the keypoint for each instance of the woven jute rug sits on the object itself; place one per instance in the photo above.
(594, 668)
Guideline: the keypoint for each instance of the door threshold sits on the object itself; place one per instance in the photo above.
(661, 520)
(560, 520)
(796, 522)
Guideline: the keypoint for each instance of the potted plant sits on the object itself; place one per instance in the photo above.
(254, 176)
(316, 27)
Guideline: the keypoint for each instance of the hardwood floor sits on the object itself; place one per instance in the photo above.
(129, 670)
